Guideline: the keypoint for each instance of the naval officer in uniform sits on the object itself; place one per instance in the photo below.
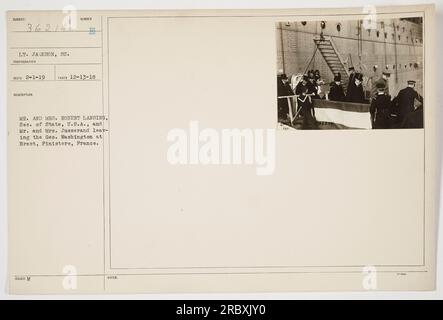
(383, 80)
(380, 108)
(406, 100)
(414, 119)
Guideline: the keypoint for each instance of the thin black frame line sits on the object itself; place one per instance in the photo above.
(420, 13)
(208, 273)
(49, 80)
(17, 48)
(103, 169)
(54, 64)
(109, 150)
(424, 139)
(272, 267)
(47, 31)
(271, 15)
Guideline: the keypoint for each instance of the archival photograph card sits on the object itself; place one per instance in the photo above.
(221, 151)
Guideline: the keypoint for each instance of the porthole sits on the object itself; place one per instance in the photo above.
(323, 24)
(338, 27)
(303, 23)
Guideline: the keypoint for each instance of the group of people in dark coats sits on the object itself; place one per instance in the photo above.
(404, 111)
(306, 90)
(354, 91)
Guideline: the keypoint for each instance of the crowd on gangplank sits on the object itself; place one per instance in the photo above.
(403, 111)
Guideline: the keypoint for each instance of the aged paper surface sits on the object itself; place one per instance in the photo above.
(121, 177)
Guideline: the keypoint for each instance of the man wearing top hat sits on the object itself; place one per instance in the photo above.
(383, 80)
(336, 92)
(317, 76)
(305, 105)
(380, 108)
(406, 99)
(283, 89)
(299, 88)
(351, 78)
(312, 85)
(355, 92)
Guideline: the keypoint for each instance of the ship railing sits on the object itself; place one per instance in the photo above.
(292, 100)
(322, 104)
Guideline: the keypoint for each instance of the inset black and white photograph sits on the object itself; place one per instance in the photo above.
(350, 74)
